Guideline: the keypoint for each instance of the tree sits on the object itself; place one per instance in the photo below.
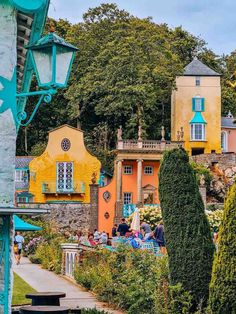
(187, 231)
(223, 285)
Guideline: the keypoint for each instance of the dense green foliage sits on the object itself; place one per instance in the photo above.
(123, 74)
(187, 231)
(223, 285)
(43, 247)
(133, 280)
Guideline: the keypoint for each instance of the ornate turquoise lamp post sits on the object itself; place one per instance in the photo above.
(50, 58)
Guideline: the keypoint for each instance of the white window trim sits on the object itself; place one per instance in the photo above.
(64, 179)
(148, 174)
(193, 138)
(21, 177)
(131, 198)
(131, 167)
(225, 133)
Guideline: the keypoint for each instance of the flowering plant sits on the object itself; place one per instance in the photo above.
(215, 217)
(149, 214)
(32, 245)
(152, 216)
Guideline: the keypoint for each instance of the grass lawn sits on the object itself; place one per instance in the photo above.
(20, 289)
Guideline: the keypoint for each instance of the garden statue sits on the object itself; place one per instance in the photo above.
(163, 133)
(202, 180)
(140, 133)
(119, 133)
(94, 178)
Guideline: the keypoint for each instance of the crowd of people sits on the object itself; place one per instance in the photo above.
(124, 231)
(145, 234)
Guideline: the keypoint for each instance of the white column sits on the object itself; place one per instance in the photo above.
(139, 181)
(118, 180)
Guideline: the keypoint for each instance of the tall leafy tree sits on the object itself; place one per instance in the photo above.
(187, 231)
(223, 282)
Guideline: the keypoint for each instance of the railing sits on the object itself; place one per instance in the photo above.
(153, 145)
(148, 145)
(130, 144)
(50, 187)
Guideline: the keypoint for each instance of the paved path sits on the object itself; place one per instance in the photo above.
(44, 280)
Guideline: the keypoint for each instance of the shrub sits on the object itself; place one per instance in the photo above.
(223, 285)
(150, 214)
(134, 280)
(187, 231)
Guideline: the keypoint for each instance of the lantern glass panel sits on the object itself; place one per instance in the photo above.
(43, 61)
(63, 61)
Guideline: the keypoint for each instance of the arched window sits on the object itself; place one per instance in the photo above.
(224, 141)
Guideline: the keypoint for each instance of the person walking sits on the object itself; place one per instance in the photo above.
(122, 228)
(18, 242)
(159, 236)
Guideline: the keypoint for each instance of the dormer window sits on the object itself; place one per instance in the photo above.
(198, 104)
(198, 80)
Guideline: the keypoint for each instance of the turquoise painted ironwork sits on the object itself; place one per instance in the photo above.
(198, 118)
(7, 95)
(128, 209)
(4, 260)
(36, 32)
(51, 46)
(28, 6)
(45, 95)
(49, 49)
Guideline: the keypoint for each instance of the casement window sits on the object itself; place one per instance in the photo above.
(148, 170)
(198, 104)
(224, 141)
(197, 80)
(65, 176)
(22, 200)
(127, 198)
(21, 176)
(128, 169)
(198, 132)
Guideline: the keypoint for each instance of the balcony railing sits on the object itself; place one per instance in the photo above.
(50, 187)
(148, 145)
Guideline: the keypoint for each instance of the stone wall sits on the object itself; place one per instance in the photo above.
(223, 170)
(68, 216)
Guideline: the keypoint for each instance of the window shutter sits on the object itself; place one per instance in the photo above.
(193, 104)
(203, 104)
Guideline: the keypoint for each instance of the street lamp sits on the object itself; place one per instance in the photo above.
(52, 59)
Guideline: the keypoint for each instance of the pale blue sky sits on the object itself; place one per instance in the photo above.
(213, 20)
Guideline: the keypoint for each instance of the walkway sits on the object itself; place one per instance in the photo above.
(44, 280)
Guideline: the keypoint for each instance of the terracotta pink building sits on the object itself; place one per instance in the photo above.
(228, 134)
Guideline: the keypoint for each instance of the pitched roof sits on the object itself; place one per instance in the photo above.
(197, 68)
(66, 125)
(23, 161)
(229, 123)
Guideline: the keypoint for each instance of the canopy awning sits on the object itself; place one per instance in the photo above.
(21, 225)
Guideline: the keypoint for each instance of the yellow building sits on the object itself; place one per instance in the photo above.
(64, 171)
(196, 109)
